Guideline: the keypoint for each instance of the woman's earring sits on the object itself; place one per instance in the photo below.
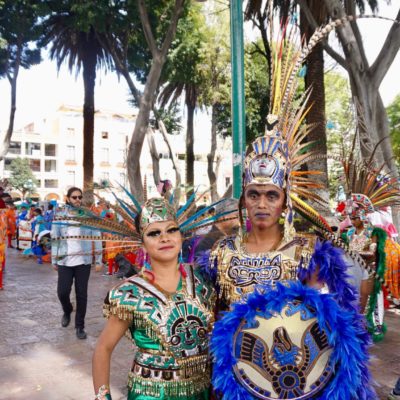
(181, 266)
(283, 214)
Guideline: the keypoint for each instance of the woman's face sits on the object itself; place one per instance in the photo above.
(264, 204)
(75, 198)
(163, 241)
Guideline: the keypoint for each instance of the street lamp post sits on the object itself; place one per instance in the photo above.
(238, 99)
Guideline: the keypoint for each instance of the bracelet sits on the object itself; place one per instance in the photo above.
(103, 393)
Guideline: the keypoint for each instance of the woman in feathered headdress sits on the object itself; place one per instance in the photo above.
(166, 310)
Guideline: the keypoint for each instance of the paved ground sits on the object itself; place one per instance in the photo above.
(39, 360)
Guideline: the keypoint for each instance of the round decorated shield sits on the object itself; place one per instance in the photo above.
(282, 355)
(290, 342)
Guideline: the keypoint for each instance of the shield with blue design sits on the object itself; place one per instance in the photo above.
(282, 355)
(282, 343)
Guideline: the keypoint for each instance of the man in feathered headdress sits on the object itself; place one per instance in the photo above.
(260, 345)
(375, 191)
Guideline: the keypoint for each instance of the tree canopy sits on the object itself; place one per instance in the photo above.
(21, 177)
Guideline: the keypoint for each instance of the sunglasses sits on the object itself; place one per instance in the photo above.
(76, 197)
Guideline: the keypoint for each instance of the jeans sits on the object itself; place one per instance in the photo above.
(66, 276)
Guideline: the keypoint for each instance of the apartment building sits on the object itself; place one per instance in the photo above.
(54, 147)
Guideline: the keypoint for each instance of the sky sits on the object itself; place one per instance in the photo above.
(42, 89)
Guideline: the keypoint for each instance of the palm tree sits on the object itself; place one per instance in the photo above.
(74, 41)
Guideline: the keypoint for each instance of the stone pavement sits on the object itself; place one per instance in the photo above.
(40, 360)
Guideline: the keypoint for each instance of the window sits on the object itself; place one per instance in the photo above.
(70, 153)
(104, 135)
(51, 183)
(50, 150)
(34, 165)
(15, 148)
(7, 163)
(71, 178)
(50, 165)
(121, 155)
(32, 149)
(105, 176)
(104, 155)
(122, 179)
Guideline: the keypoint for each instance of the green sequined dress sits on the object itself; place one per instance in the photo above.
(171, 332)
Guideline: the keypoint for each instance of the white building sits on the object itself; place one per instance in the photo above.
(54, 147)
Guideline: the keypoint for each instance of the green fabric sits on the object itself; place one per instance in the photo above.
(381, 236)
(201, 396)
(142, 340)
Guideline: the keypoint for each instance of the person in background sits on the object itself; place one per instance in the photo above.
(49, 216)
(220, 229)
(72, 258)
(38, 228)
(11, 224)
(3, 237)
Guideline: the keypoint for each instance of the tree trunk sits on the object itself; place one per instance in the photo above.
(155, 157)
(7, 139)
(190, 150)
(139, 132)
(149, 93)
(314, 79)
(89, 80)
(177, 191)
(13, 106)
(211, 156)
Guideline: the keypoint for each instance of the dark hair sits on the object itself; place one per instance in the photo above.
(137, 222)
(38, 210)
(70, 191)
(73, 189)
(50, 207)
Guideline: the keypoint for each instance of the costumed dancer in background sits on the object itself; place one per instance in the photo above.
(11, 224)
(3, 238)
(167, 309)
(292, 329)
(368, 190)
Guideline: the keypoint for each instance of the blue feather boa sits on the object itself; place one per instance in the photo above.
(328, 261)
(346, 335)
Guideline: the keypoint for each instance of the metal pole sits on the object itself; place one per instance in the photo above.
(238, 101)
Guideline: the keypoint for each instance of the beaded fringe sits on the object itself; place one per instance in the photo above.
(183, 388)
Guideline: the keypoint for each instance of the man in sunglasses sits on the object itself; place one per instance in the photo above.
(72, 257)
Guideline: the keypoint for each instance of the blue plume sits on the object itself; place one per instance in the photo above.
(124, 207)
(345, 330)
(132, 197)
(187, 204)
(203, 211)
(331, 265)
(208, 269)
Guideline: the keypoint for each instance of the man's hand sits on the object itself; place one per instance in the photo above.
(55, 267)
(98, 267)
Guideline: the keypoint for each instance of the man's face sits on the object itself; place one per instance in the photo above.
(356, 221)
(75, 198)
(264, 204)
